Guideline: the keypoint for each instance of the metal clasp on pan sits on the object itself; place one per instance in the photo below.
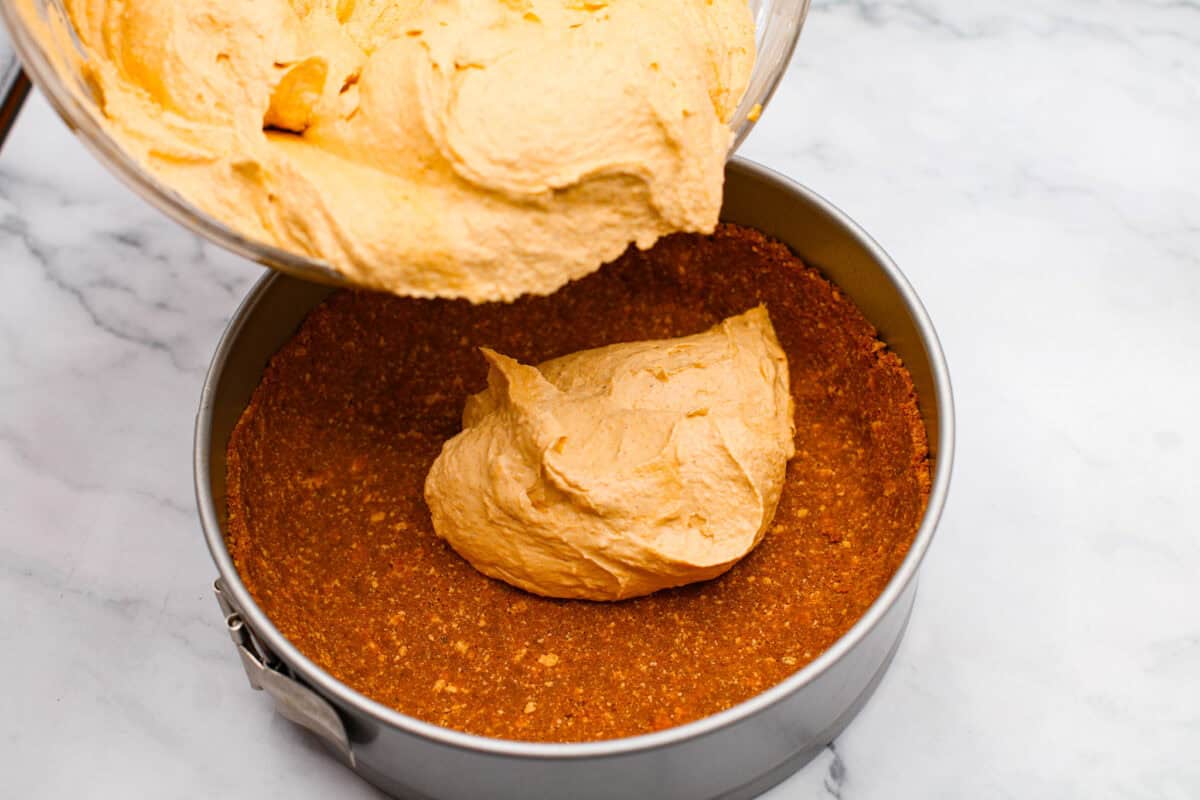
(293, 700)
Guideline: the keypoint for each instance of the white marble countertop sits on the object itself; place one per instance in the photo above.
(1032, 165)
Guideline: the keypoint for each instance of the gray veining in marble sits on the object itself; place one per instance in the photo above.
(1034, 167)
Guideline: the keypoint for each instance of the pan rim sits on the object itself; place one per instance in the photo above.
(346, 697)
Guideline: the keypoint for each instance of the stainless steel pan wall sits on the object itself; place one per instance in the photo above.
(737, 753)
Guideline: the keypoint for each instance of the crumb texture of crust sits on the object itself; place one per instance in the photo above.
(329, 529)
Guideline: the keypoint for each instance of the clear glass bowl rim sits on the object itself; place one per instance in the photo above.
(777, 37)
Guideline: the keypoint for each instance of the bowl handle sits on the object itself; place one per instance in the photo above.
(13, 91)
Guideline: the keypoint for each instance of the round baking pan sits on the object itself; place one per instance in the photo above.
(737, 753)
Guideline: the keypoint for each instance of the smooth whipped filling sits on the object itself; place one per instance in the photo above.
(616, 472)
(470, 148)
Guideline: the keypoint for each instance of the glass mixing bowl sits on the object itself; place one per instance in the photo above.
(778, 24)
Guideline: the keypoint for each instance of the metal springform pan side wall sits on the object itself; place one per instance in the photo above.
(737, 753)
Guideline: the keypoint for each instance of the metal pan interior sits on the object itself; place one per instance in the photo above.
(821, 235)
